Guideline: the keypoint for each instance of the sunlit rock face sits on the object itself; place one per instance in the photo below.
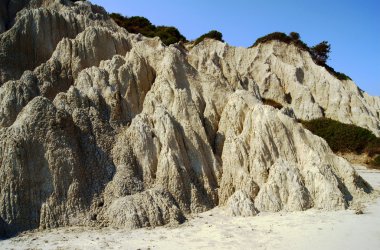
(102, 127)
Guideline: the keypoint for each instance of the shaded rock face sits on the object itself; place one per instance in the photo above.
(34, 34)
(103, 127)
(8, 11)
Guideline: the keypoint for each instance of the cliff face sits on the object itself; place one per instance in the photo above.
(102, 127)
(290, 77)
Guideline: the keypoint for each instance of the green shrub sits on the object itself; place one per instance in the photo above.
(341, 76)
(138, 24)
(346, 138)
(373, 147)
(213, 34)
(118, 18)
(293, 38)
(300, 44)
(278, 36)
(376, 162)
(338, 75)
(343, 137)
(169, 35)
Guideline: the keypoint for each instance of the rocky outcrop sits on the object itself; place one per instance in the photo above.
(147, 209)
(240, 204)
(111, 128)
(58, 73)
(37, 30)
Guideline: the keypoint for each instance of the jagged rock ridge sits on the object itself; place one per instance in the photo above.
(103, 127)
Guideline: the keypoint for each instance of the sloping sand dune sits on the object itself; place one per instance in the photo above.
(214, 229)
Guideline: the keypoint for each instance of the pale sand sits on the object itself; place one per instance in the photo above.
(311, 229)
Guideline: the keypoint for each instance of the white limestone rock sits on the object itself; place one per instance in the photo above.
(239, 204)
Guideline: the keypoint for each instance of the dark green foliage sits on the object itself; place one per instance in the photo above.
(137, 24)
(119, 19)
(342, 76)
(213, 34)
(142, 25)
(344, 137)
(373, 148)
(278, 36)
(272, 103)
(169, 35)
(295, 36)
(338, 75)
(320, 52)
(300, 44)
(376, 162)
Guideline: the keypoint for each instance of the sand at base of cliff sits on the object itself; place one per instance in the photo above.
(214, 229)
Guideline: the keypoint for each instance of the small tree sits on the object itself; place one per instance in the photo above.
(294, 36)
(320, 52)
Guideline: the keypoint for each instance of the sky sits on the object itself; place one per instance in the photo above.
(352, 27)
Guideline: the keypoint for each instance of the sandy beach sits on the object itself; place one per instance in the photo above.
(214, 229)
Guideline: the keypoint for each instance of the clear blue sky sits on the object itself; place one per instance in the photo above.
(351, 26)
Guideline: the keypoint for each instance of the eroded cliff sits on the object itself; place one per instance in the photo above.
(102, 127)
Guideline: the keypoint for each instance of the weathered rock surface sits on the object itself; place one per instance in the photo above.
(290, 77)
(147, 209)
(240, 204)
(102, 127)
(37, 30)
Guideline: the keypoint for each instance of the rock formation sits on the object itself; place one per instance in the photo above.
(102, 127)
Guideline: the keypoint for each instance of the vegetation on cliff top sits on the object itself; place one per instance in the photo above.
(142, 25)
(213, 34)
(319, 53)
(169, 35)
